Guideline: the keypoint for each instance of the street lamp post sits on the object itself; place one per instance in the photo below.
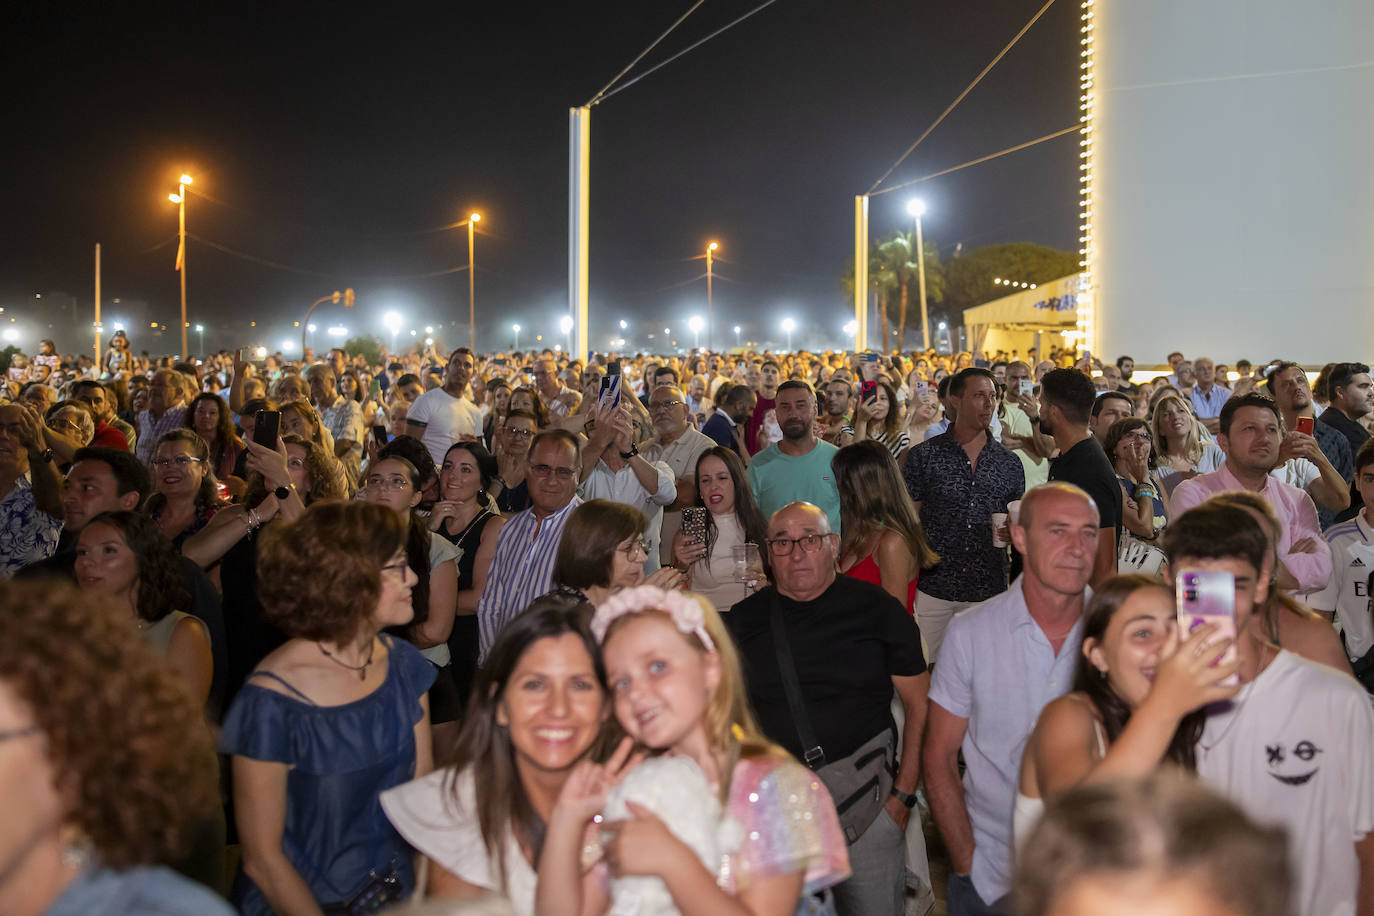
(916, 207)
(737, 330)
(392, 320)
(789, 326)
(710, 324)
(179, 198)
(200, 329)
(565, 324)
(473, 219)
(346, 297)
(516, 329)
(695, 324)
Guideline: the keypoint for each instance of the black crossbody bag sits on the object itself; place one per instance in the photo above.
(858, 784)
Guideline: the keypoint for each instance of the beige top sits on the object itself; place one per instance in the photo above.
(713, 577)
(159, 635)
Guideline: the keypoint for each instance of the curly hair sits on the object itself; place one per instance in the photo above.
(308, 414)
(323, 483)
(128, 745)
(351, 541)
(540, 411)
(225, 436)
(161, 582)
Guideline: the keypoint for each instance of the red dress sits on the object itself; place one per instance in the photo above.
(866, 570)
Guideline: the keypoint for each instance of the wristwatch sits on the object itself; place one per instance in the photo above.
(283, 492)
(626, 456)
(908, 800)
(45, 456)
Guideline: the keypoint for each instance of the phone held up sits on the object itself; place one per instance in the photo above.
(1208, 596)
(1306, 425)
(379, 434)
(694, 524)
(868, 391)
(610, 385)
(266, 428)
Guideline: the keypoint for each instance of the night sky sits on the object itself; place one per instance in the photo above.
(325, 139)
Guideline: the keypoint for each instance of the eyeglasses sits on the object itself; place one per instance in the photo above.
(517, 432)
(26, 731)
(1139, 435)
(394, 482)
(181, 461)
(544, 470)
(810, 543)
(399, 568)
(55, 424)
(639, 545)
(665, 405)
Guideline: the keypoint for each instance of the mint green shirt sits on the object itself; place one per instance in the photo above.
(779, 479)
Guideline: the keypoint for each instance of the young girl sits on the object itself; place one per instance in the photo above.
(677, 689)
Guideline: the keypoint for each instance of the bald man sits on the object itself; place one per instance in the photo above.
(852, 645)
(1034, 630)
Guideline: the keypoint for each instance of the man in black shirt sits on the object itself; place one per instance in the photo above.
(1066, 402)
(852, 645)
(1351, 394)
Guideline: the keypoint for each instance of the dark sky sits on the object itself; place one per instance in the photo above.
(329, 135)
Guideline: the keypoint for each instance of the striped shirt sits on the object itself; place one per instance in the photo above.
(150, 430)
(521, 570)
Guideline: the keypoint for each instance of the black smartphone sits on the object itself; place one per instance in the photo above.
(266, 428)
(868, 391)
(610, 385)
(379, 434)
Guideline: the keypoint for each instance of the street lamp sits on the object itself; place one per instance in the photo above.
(695, 324)
(179, 198)
(392, 320)
(346, 297)
(916, 207)
(789, 326)
(710, 250)
(565, 324)
(737, 330)
(516, 329)
(473, 219)
(200, 329)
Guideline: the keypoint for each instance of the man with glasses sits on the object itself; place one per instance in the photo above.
(852, 646)
(616, 470)
(30, 491)
(557, 397)
(678, 445)
(526, 548)
(443, 415)
(166, 411)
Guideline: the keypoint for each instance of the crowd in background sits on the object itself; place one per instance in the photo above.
(441, 614)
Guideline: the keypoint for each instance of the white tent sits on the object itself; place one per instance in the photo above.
(1017, 322)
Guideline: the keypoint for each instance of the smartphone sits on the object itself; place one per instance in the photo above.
(922, 388)
(374, 389)
(1306, 425)
(379, 434)
(1027, 387)
(1208, 596)
(266, 428)
(610, 385)
(870, 357)
(868, 391)
(694, 524)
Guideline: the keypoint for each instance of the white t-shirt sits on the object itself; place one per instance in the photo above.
(1296, 748)
(445, 828)
(1347, 592)
(1297, 472)
(447, 419)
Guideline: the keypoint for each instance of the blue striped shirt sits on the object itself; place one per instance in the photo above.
(521, 570)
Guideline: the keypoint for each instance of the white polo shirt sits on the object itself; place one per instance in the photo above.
(1347, 592)
(447, 419)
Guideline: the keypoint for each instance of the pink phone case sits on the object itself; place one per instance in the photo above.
(1208, 597)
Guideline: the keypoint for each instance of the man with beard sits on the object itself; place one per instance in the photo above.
(725, 426)
(797, 468)
(767, 388)
(838, 393)
(678, 445)
(442, 416)
(1320, 463)
(1250, 438)
(1066, 402)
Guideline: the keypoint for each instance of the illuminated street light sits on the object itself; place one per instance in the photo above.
(337, 330)
(516, 329)
(917, 208)
(737, 330)
(260, 352)
(392, 320)
(11, 334)
(789, 326)
(473, 219)
(179, 198)
(851, 328)
(695, 323)
(200, 329)
(288, 345)
(624, 324)
(710, 324)
(565, 324)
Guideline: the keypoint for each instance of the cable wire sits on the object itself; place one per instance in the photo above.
(265, 262)
(640, 56)
(978, 79)
(408, 233)
(692, 47)
(980, 159)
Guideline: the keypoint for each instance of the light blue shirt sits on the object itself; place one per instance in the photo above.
(142, 891)
(779, 479)
(1208, 403)
(998, 670)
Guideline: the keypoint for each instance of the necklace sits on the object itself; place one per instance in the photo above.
(361, 669)
(467, 529)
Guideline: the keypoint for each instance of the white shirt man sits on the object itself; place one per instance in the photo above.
(677, 445)
(442, 416)
(1352, 562)
(623, 475)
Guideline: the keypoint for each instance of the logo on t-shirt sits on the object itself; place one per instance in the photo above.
(1304, 751)
(1356, 562)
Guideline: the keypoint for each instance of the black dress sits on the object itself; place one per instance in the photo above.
(462, 642)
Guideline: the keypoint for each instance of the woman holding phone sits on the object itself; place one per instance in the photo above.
(878, 416)
(729, 520)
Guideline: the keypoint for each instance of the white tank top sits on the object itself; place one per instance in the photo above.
(1028, 810)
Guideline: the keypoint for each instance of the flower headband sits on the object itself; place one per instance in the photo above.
(685, 612)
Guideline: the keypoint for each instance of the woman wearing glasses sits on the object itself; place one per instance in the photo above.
(1145, 504)
(395, 483)
(185, 491)
(603, 551)
(513, 439)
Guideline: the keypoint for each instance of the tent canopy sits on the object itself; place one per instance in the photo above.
(1050, 306)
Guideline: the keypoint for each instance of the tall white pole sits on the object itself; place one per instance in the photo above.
(921, 280)
(710, 320)
(182, 229)
(579, 221)
(860, 273)
(97, 309)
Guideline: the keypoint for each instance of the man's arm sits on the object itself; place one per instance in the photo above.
(940, 757)
(1364, 852)
(1306, 555)
(656, 478)
(1330, 489)
(914, 693)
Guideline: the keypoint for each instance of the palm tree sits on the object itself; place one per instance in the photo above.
(901, 268)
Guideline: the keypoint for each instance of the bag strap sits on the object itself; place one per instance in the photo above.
(813, 754)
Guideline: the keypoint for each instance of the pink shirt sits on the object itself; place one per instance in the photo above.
(1297, 514)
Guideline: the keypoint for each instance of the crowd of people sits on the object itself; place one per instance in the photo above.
(705, 633)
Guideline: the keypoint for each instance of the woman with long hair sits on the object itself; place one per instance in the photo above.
(109, 770)
(538, 708)
(209, 416)
(395, 483)
(498, 396)
(733, 519)
(1130, 449)
(526, 398)
(882, 541)
(1181, 450)
(300, 419)
(329, 720)
(879, 418)
(466, 516)
(1137, 699)
(603, 550)
(185, 490)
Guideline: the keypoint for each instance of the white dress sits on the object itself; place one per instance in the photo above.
(714, 577)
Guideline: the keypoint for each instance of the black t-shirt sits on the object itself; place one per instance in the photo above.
(1086, 465)
(847, 644)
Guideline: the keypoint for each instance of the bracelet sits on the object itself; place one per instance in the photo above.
(254, 523)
